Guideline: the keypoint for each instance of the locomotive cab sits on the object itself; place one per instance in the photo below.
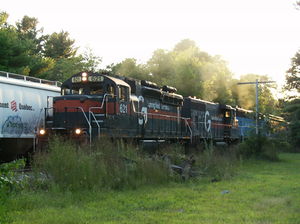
(230, 122)
(87, 101)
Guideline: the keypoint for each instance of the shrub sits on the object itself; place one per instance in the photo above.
(259, 147)
(9, 178)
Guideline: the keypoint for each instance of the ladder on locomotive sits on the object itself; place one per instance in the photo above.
(96, 119)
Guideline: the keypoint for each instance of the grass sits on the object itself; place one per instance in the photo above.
(106, 165)
(262, 192)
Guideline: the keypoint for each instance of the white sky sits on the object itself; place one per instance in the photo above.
(254, 36)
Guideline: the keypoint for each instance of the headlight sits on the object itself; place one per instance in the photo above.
(84, 76)
(42, 131)
(77, 131)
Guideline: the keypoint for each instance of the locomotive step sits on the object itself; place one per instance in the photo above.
(99, 121)
(99, 115)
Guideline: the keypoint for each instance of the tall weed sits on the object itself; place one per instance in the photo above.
(104, 165)
(217, 163)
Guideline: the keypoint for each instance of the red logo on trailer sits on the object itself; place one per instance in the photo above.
(13, 106)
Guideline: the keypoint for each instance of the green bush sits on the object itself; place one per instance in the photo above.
(259, 147)
(9, 178)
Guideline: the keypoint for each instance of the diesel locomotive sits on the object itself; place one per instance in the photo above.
(93, 105)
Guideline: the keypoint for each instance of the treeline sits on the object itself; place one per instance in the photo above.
(197, 73)
(26, 50)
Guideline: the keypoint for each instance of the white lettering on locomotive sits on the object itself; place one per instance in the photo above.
(207, 121)
(123, 108)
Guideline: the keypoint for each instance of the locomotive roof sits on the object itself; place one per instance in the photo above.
(193, 99)
(276, 118)
(117, 81)
(244, 110)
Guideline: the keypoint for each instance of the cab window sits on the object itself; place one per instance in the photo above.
(123, 92)
(96, 90)
(81, 91)
(111, 90)
(65, 91)
(227, 113)
(75, 91)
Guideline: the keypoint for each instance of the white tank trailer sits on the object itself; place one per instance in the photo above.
(22, 103)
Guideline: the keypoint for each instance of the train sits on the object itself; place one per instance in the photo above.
(22, 99)
(95, 105)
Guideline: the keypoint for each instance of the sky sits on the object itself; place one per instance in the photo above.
(253, 36)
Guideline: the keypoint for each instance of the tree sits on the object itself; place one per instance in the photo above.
(192, 71)
(185, 45)
(3, 19)
(27, 30)
(293, 74)
(63, 68)
(14, 52)
(161, 66)
(188, 76)
(292, 108)
(130, 68)
(59, 45)
(246, 94)
(217, 80)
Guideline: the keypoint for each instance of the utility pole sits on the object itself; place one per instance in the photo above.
(256, 98)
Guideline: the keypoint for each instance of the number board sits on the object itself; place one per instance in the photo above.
(123, 108)
(95, 78)
(76, 79)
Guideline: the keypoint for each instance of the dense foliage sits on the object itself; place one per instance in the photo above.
(24, 49)
(196, 73)
(292, 103)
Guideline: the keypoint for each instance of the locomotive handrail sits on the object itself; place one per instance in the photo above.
(102, 104)
(47, 108)
(191, 131)
(174, 117)
(163, 115)
(92, 113)
(81, 111)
